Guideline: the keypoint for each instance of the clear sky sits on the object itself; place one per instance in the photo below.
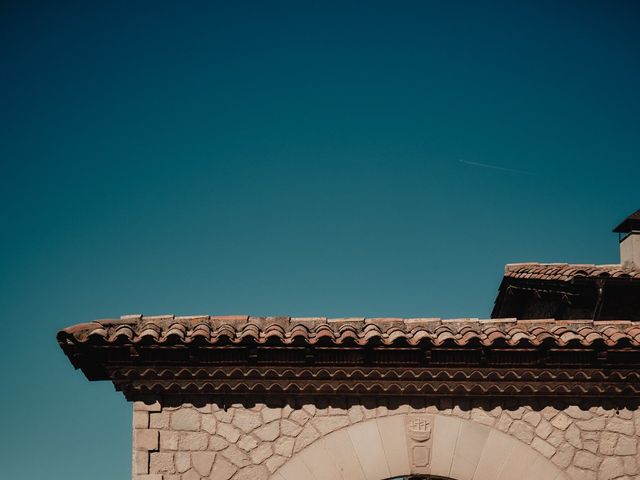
(274, 158)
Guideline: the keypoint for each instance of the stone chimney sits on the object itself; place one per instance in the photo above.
(629, 231)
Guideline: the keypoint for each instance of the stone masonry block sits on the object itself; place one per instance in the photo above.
(147, 407)
(182, 461)
(257, 472)
(561, 421)
(208, 423)
(140, 462)
(626, 446)
(261, 453)
(612, 467)
(228, 432)
(191, 475)
(223, 469)
(620, 425)
(217, 443)
(247, 443)
(185, 419)
(284, 446)
(269, 432)
(246, 420)
(193, 441)
(586, 460)
(236, 456)
(543, 447)
(159, 419)
(161, 462)
(270, 414)
(140, 419)
(168, 440)
(146, 439)
(202, 462)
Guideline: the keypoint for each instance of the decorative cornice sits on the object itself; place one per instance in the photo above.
(468, 382)
(301, 356)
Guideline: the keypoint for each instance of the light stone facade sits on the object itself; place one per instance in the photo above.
(374, 440)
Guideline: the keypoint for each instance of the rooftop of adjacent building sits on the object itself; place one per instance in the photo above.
(568, 271)
(631, 223)
(574, 291)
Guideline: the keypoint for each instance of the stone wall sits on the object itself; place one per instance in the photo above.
(198, 441)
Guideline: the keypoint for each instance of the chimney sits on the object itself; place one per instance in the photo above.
(629, 232)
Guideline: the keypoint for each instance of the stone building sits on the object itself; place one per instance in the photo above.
(255, 398)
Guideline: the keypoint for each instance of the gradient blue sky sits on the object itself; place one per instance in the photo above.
(276, 158)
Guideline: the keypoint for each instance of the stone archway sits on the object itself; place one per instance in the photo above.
(431, 445)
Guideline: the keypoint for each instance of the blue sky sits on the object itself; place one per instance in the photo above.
(276, 158)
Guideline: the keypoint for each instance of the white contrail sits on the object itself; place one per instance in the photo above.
(495, 167)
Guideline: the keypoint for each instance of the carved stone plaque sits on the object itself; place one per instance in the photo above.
(420, 456)
(419, 427)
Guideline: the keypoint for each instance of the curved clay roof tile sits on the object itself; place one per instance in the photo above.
(617, 337)
(227, 331)
(414, 331)
(517, 337)
(299, 331)
(371, 328)
(274, 329)
(634, 330)
(371, 334)
(100, 334)
(200, 332)
(396, 334)
(591, 337)
(346, 334)
(494, 336)
(147, 334)
(346, 327)
(322, 334)
(567, 337)
(545, 336)
(442, 337)
(468, 336)
(418, 337)
(123, 333)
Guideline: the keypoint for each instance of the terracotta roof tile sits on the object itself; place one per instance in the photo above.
(566, 272)
(235, 330)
